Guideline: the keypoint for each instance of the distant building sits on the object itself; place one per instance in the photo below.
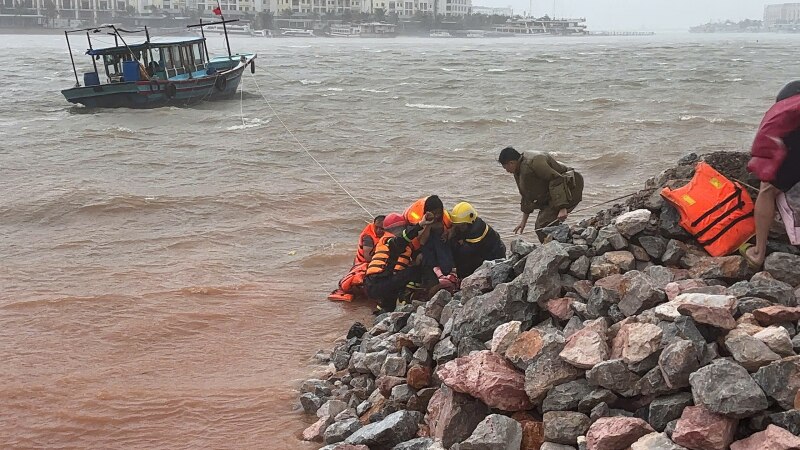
(783, 16)
(489, 11)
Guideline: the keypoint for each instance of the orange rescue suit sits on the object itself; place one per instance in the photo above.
(716, 211)
(381, 258)
(368, 231)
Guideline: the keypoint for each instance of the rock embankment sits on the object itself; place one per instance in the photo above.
(619, 333)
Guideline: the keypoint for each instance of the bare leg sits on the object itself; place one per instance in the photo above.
(764, 216)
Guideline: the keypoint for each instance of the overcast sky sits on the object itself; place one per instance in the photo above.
(641, 14)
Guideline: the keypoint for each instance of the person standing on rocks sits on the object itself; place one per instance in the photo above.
(775, 160)
(544, 184)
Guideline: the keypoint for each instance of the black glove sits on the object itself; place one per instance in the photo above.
(396, 247)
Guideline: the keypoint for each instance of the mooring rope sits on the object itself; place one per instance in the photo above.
(288, 130)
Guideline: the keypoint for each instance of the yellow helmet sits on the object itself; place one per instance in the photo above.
(464, 213)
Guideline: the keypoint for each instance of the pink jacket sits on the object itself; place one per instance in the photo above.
(769, 151)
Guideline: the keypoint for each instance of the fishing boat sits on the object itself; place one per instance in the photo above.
(155, 72)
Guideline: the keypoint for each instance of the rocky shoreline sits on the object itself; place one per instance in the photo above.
(617, 333)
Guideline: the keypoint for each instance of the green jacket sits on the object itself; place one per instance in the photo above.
(544, 182)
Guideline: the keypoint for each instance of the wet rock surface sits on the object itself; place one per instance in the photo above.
(620, 332)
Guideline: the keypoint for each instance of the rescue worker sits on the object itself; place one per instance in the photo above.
(544, 184)
(437, 256)
(393, 265)
(473, 240)
(351, 284)
(775, 160)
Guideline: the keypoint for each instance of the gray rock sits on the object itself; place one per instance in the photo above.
(599, 411)
(796, 343)
(746, 305)
(655, 246)
(320, 388)
(310, 402)
(397, 427)
(580, 268)
(520, 247)
(661, 276)
(444, 351)
(639, 292)
(762, 285)
(339, 431)
(541, 273)
(546, 372)
(669, 223)
(421, 357)
(416, 444)
(784, 267)
(331, 409)
(402, 394)
(567, 396)
(559, 233)
(374, 361)
(748, 351)
(564, 427)
(496, 432)
(663, 410)
(726, 388)
(677, 361)
(480, 282)
(452, 417)
(589, 234)
(671, 428)
(639, 253)
(632, 223)
(609, 238)
(656, 441)
(594, 398)
(790, 420)
(394, 366)
(780, 380)
(436, 304)
(554, 446)
(673, 253)
(599, 302)
(479, 316)
(468, 345)
(614, 375)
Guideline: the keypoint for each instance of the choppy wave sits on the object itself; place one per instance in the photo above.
(249, 123)
(693, 118)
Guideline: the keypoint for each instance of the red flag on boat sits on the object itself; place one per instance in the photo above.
(217, 10)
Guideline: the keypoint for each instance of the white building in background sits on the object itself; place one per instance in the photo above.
(488, 10)
(323, 6)
(783, 15)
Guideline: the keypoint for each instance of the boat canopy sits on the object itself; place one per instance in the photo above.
(126, 49)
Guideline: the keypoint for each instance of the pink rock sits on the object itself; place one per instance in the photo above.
(727, 267)
(587, 347)
(700, 429)
(526, 347)
(560, 308)
(716, 317)
(611, 282)
(418, 377)
(676, 288)
(489, 377)
(314, 432)
(643, 339)
(385, 384)
(504, 336)
(773, 438)
(452, 417)
(616, 433)
(350, 447)
(583, 288)
(777, 314)
(797, 400)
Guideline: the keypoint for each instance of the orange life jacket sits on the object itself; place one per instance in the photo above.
(414, 213)
(369, 230)
(715, 210)
(381, 258)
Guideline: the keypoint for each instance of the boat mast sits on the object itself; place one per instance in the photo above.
(77, 83)
(205, 46)
(94, 63)
(225, 30)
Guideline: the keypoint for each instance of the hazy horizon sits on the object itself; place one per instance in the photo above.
(639, 14)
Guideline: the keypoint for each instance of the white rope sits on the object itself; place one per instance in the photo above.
(241, 100)
(275, 113)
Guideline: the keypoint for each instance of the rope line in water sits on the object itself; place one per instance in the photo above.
(275, 113)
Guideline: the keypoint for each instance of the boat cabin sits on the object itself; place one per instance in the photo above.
(173, 60)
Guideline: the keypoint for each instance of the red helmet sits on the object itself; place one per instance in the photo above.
(393, 220)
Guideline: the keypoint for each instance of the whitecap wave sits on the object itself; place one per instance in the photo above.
(335, 89)
(307, 82)
(248, 123)
(376, 91)
(424, 106)
(687, 118)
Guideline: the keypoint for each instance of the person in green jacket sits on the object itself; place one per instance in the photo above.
(545, 184)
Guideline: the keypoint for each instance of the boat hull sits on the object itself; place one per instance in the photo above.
(157, 93)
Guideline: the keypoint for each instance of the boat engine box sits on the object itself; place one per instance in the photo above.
(130, 71)
(91, 79)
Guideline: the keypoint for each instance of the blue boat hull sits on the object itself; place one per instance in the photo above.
(157, 93)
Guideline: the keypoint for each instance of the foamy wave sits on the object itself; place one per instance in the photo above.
(497, 70)
(552, 109)
(424, 106)
(688, 118)
(376, 91)
(120, 130)
(248, 123)
(335, 89)
(734, 80)
(307, 82)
